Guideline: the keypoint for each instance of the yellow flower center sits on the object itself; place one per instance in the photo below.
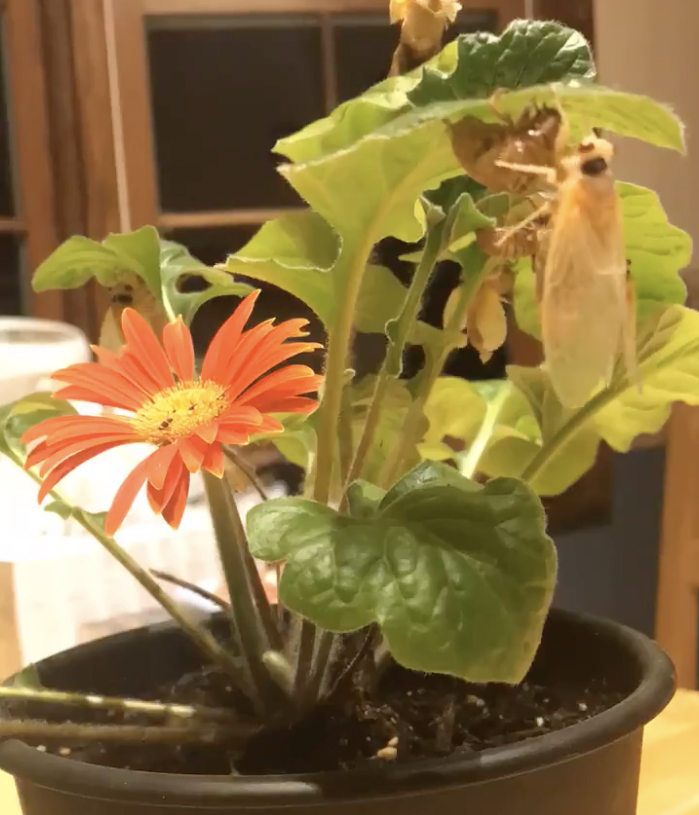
(179, 411)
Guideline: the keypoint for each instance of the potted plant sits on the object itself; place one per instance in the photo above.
(415, 572)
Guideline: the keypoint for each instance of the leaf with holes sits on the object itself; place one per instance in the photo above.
(177, 266)
(528, 52)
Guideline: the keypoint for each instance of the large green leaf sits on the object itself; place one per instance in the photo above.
(413, 153)
(656, 249)
(458, 576)
(529, 52)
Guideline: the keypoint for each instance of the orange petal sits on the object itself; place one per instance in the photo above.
(193, 451)
(144, 345)
(61, 471)
(126, 495)
(103, 384)
(177, 342)
(45, 428)
(121, 362)
(207, 432)
(214, 461)
(227, 337)
(173, 512)
(290, 380)
(60, 452)
(76, 394)
(233, 435)
(87, 426)
(160, 463)
(158, 498)
(238, 356)
(263, 360)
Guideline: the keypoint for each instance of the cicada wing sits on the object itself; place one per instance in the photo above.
(583, 307)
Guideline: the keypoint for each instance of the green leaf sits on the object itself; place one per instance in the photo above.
(458, 576)
(656, 249)
(176, 265)
(391, 423)
(20, 416)
(298, 253)
(161, 265)
(27, 678)
(454, 409)
(529, 52)
(79, 259)
(67, 511)
(464, 219)
(297, 443)
(668, 352)
(520, 57)
(364, 499)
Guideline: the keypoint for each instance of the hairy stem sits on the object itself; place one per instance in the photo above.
(354, 261)
(430, 373)
(97, 702)
(392, 363)
(134, 734)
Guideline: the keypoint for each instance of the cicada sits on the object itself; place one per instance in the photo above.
(587, 310)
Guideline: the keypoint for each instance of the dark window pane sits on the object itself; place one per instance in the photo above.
(7, 207)
(223, 93)
(213, 246)
(365, 44)
(11, 288)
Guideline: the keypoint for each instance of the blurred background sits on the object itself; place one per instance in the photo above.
(120, 113)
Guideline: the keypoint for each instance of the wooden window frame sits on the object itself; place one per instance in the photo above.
(126, 22)
(35, 224)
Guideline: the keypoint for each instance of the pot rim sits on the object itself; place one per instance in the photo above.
(653, 693)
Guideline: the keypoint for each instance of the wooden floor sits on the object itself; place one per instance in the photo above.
(669, 779)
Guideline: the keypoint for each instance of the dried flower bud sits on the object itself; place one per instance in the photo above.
(423, 24)
(486, 321)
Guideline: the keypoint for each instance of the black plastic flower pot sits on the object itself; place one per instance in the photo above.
(589, 767)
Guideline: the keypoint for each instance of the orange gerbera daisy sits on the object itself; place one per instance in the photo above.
(187, 418)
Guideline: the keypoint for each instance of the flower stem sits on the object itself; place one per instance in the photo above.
(391, 367)
(96, 702)
(321, 664)
(352, 264)
(432, 370)
(247, 613)
(134, 734)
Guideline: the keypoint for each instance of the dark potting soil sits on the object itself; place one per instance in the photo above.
(411, 716)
